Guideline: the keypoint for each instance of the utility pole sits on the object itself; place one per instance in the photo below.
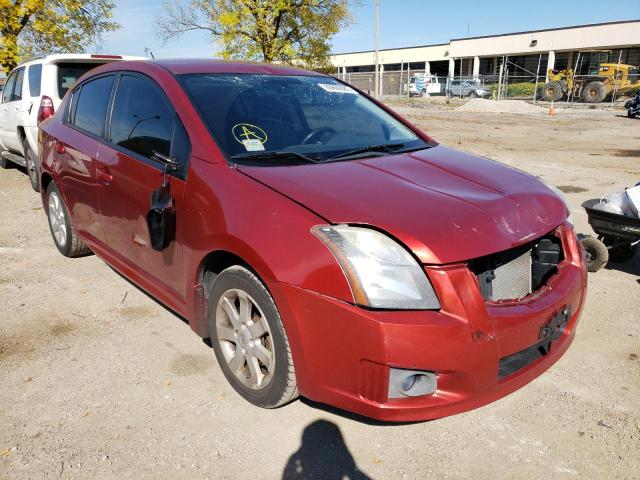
(377, 61)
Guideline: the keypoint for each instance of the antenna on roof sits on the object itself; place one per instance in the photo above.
(148, 52)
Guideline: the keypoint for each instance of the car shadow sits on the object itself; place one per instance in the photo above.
(322, 455)
(632, 267)
(151, 297)
(352, 416)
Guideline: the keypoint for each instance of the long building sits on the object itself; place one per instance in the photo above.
(582, 47)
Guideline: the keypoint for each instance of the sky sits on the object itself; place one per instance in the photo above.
(402, 23)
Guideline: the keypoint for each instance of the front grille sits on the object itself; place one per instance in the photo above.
(518, 272)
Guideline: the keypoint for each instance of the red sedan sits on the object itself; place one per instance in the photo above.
(325, 245)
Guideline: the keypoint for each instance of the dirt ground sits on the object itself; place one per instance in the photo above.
(99, 381)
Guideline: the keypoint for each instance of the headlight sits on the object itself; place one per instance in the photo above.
(382, 274)
(562, 196)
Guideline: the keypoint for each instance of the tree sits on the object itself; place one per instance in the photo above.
(32, 27)
(287, 31)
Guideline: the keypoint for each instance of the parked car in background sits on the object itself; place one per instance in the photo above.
(33, 91)
(323, 244)
(421, 84)
(467, 88)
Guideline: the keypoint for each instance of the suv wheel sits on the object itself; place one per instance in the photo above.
(64, 236)
(32, 165)
(249, 339)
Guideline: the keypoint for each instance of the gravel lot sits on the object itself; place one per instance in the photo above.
(99, 381)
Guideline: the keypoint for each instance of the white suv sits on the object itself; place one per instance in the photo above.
(32, 92)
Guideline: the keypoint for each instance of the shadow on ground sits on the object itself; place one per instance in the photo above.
(322, 455)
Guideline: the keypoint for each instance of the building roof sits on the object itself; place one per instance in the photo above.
(619, 22)
(546, 30)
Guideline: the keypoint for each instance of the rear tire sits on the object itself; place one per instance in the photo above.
(551, 92)
(4, 163)
(32, 166)
(597, 253)
(630, 115)
(249, 339)
(594, 92)
(64, 235)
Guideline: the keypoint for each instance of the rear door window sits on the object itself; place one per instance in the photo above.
(35, 77)
(90, 111)
(17, 91)
(69, 72)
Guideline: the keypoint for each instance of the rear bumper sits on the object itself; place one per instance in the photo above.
(343, 353)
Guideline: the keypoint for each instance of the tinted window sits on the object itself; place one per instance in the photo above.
(35, 75)
(17, 91)
(68, 73)
(8, 88)
(142, 121)
(91, 108)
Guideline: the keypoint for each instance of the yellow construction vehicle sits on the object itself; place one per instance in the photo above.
(610, 78)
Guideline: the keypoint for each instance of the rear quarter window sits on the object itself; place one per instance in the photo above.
(90, 110)
(35, 77)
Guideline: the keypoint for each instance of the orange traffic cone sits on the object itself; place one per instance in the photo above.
(552, 111)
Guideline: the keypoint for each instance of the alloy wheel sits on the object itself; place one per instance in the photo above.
(57, 219)
(245, 339)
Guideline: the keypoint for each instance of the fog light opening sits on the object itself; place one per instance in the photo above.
(411, 383)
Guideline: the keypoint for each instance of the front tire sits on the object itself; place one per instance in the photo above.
(32, 166)
(249, 339)
(597, 253)
(64, 236)
(630, 114)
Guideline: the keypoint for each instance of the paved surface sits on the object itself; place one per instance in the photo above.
(99, 381)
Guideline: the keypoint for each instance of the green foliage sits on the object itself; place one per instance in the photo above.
(34, 27)
(522, 89)
(286, 31)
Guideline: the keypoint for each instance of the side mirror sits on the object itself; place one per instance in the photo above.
(161, 218)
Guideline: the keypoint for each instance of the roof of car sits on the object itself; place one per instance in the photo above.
(183, 66)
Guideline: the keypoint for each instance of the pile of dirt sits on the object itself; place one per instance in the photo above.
(505, 106)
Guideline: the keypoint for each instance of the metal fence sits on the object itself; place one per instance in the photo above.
(512, 82)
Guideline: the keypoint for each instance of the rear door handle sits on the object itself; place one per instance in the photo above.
(104, 175)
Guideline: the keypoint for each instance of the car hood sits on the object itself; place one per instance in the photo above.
(445, 205)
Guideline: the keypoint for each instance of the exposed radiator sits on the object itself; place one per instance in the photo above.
(517, 273)
(513, 279)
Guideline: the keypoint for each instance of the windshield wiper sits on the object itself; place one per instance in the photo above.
(386, 148)
(273, 157)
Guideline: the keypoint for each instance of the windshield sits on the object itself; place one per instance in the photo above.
(313, 117)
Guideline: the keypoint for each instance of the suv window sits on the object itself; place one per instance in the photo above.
(68, 73)
(7, 92)
(90, 111)
(142, 120)
(17, 91)
(35, 76)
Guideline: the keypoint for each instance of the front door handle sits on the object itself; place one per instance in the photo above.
(104, 175)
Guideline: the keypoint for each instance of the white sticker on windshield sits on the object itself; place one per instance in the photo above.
(337, 88)
(253, 145)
